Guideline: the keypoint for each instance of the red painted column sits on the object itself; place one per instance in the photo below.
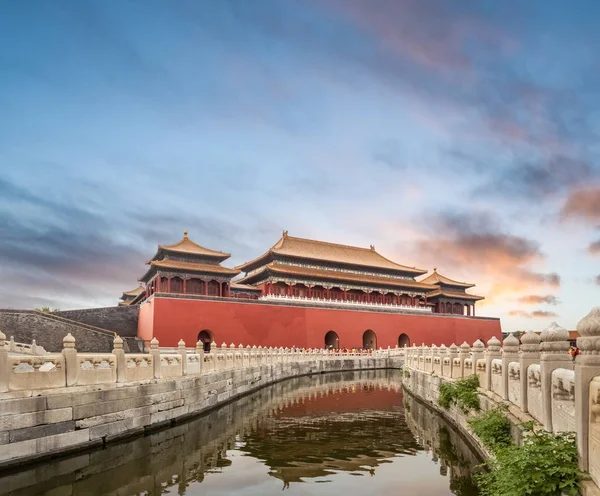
(205, 288)
(310, 291)
(473, 309)
(168, 284)
(158, 283)
(184, 286)
(345, 295)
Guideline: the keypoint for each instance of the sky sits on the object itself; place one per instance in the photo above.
(455, 134)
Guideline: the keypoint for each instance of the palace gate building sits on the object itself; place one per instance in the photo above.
(302, 293)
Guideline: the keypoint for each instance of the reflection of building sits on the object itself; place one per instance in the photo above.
(447, 447)
(302, 292)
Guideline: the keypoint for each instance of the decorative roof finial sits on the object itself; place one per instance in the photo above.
(435, 269)
(185, 233)
(372, 247)
(285, 233)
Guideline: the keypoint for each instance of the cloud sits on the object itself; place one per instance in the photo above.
(594, 248)
(583, 203)
(598, 279)
(536, 314)
(537, 299)
(477, 243)
(65, 254)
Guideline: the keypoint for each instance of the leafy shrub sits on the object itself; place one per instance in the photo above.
(406, 374)
(462, 393)
(545, 465)
(493, 428)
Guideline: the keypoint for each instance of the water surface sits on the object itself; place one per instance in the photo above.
(331, 434)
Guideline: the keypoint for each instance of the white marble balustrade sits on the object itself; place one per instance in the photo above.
(536, 374)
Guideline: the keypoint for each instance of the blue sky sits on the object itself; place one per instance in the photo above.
(456, 134)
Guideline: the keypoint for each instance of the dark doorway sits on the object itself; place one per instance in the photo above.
(403, 340)
(332, 340)
(206, 337)
(369, 340)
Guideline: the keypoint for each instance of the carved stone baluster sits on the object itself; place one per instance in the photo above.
(452, 354)
(587, 366)
(463, 354)
(119, 354)
(477, 352)
(530, 354)
(155, 352)
(70, 354)
(510, 353)
(4, 371)
(183, 352)
(493, 352)
(555, 354)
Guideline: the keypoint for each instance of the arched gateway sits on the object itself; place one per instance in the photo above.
(207, 337)
(369, 340)
(332, 340)
(403, 340)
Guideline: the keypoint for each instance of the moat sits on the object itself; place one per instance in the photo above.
(330, 434)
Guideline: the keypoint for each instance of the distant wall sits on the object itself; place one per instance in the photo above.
(49, 332)
(250, 321)
(122, 320)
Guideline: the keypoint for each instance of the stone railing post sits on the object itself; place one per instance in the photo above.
(443, 354)
(530, 354)
(463, 354)
(232, 350)
(155, 353)
(493, 352)
(452, 354)
(510, 353)
(119, 353)
(12, 345)
(587, 366)
(477, 354)
(70, 354)
(435, 353)
(34, 347)
(183, 352)
(4, 372)
(200, 353)
(555, 355)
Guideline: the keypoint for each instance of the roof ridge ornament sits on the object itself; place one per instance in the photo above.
(372, 247)
(285, 233)
(185, 234)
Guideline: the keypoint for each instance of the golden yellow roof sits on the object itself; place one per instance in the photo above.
(330, 252)
(187, 246)
(190, 267)
(299, 272)
(437, 278)
(237, 285)
(454, 294)
(134, 292)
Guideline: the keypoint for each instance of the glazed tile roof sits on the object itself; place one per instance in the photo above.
(329, 252)
(454, 294)
(190, 267)
(134, 292)
(437, 278)
(187, 246)
(236, 285)
(318, 274)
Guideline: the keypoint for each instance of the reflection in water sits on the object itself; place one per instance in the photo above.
(326, 434)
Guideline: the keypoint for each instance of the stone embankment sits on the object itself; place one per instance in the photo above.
(535, 379)
(59, 402)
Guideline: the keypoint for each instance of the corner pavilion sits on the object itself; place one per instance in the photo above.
(302, 292)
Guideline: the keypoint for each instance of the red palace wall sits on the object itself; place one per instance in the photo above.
(261, 324)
